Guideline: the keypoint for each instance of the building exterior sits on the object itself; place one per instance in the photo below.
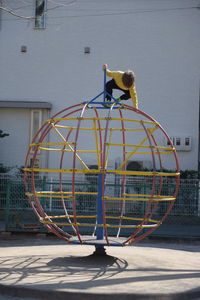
(55, 61)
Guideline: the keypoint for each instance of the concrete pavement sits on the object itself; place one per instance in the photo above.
(47, 268)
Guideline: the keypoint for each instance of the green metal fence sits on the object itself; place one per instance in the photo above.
(16, 214)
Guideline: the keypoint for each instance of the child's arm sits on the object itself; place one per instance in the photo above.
(108, 72)
(134, 96)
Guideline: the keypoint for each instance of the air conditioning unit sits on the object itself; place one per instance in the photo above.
(137, 165)
(92, 178)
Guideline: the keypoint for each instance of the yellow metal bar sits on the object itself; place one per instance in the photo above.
(148, 196)
(99, 225)
(49, 196)
(99, 129)
(132, 219)
(142, 173)
(136, 148)
(82, 171)
(140, 199)
(126, 129)
(65, 150)
(160, 152)
(101, 119)
(141, 146)
(65, 126)
(61, 136)
(66, 217)
(50, 144)
(107, 217)
(58, 195)
(93, 171)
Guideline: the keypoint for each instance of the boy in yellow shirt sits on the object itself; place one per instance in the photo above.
(124, 81)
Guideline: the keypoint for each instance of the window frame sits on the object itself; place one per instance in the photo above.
(40, 21)
(32, 131)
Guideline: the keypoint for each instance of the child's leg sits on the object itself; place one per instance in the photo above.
(126, 95)
(110, 85)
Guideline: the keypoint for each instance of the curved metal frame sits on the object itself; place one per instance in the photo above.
(103, 144)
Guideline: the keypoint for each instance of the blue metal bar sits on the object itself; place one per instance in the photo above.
(96, 97)
(104, 86)
(104, 93)
(102, 107)
(112, 97)
(96, 102)
(100, 230)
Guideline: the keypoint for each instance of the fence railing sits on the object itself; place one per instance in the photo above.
(16, 214)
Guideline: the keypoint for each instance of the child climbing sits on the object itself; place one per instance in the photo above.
(124, 81)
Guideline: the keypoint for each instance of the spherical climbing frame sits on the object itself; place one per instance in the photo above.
(105, 204)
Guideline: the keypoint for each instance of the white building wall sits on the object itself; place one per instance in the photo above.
(159, 40)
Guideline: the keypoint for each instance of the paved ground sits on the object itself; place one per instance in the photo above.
(5, 297)
(47, 268)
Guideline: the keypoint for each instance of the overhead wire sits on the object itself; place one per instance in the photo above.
(90, 14)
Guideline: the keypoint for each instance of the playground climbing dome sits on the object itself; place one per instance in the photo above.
(101, 213)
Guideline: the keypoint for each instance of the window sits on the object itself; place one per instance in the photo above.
(40, 14)
(171, 139)
(178, 141)
(187, 141)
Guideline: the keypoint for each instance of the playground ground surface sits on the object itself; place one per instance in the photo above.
(37, 266)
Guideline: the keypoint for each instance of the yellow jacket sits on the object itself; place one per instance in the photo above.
(117, 76)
